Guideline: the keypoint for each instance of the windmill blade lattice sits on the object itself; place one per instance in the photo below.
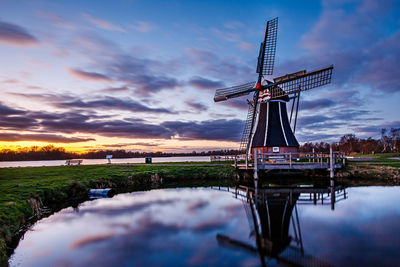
(266, 58)
(300, 81)
(247, 128)
(234, 91)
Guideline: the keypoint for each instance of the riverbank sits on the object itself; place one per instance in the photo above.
(379, 171)
(28, 194)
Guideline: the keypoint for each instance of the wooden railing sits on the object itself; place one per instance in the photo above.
(325, 160)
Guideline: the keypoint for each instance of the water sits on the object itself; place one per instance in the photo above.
(206, 226)
(39, 163)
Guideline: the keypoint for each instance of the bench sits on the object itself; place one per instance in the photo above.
(277, 159)
(73, 161)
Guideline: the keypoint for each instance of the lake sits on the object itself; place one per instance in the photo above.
(273, 225)
(40, 163)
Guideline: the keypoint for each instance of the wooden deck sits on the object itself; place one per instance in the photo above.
(289, 166)
(292, 161)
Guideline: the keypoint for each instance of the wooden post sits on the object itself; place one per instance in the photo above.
(332, 162)
(235, 161)
(344, 160)
(255, 165)
(333, 197)
(290, 159)
(313, 154)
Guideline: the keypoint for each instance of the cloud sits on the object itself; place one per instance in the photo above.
(109, 128)
(89, 240)
(316, 104)
(361, 52)
(5, 110)
(13, 34)
(53, 138)
(203, 83)
(140, 73)
(142, 26)
(237, 103)
(89, 76)
(233, 25)
(307, 121)
(149, 144)
(55, 18)
(209, 226)
(209, 63)
(20, 122)
(246, 46)
(196, 106)
(374, 130)
(197, 206)
(120, 89)
(112, 102)
(77, 122)
(227, 130)
(102, 24)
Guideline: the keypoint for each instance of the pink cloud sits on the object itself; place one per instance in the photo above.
(142, 26)
(90, 76)
(103, 24)
(15, 35)
(246, 46)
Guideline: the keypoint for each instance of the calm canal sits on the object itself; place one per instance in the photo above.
(274, 226)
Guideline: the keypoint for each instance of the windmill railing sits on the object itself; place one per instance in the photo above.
(307, 195)
(297, 157)
(293, 160)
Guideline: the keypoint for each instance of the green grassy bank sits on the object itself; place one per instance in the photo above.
(25, 191)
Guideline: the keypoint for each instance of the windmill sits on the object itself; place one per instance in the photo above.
(268, 128)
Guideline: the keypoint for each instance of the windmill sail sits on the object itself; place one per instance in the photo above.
(266, 58)
(300, 81)
(234, 91)
(247, 129)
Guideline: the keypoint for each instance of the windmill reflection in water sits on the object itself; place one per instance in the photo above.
(271, 212)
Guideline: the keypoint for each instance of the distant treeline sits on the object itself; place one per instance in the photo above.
(51, 152)
(349, 143)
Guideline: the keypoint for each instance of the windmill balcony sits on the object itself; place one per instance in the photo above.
(297, 160)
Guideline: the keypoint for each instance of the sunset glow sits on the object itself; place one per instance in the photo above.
(141, 75)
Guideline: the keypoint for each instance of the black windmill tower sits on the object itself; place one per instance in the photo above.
(268, 128)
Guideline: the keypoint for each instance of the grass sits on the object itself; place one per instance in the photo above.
(377, 155)
(25, 190)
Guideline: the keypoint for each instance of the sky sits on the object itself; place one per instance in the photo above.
(141, 75)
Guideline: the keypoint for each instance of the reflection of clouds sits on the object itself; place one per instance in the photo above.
(210, 226)
(360, 231)
(179, 227)
(132, 208)
(193, 207)
(87, 240)
(170, 226)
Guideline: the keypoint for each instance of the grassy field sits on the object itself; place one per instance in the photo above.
(25, 191)
(376, 155)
